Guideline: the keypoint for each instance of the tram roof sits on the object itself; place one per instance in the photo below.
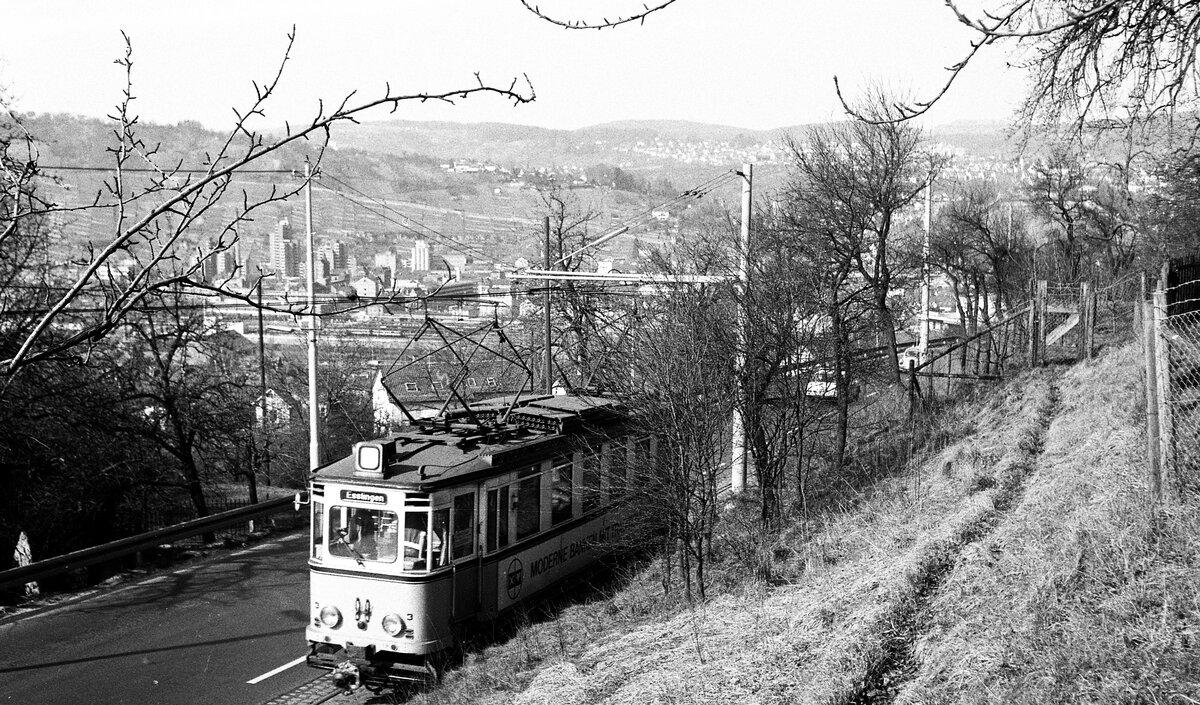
(457, 448)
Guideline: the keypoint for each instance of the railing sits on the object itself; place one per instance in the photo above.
(133, 544)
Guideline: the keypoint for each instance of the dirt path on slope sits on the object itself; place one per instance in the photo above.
(898, 665)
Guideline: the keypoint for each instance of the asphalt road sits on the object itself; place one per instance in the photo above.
(193, 635)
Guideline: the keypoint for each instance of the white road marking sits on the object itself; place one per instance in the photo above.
(255, 547)
(281, 669)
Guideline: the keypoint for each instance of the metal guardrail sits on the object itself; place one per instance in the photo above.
(132, 544)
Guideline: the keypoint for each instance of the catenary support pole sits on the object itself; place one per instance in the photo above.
(262, 386)
(548, 353)
(314, 412)
(923, 342)
(739, 458)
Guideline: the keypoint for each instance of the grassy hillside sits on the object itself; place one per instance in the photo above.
(1020, 563)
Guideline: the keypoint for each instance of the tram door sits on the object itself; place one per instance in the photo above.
(464, 550)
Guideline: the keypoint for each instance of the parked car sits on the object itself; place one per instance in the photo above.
(910, 355)
(822, 384)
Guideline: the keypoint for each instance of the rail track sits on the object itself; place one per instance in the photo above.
(319, 690)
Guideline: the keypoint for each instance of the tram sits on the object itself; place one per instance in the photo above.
(461, 519)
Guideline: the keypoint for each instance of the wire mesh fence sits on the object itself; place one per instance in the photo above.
(1172, 345)
(1181, 335)
(1117, 309)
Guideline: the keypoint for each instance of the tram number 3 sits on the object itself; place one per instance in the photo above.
(513, 578)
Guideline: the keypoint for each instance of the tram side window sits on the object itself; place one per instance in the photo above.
(440, 540)
(643, 461)
(318, 527)
(529, 506)
(591, 482)
(416, 535)
(497, 518)
(618, 469)
(560, 494)
(363, 534)
(463, 542)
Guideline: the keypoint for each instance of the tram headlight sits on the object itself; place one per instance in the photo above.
(392, 624)
(331, 616)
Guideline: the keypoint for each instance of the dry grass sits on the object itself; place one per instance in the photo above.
(990, 572)
(853, 577)
(1084, 593)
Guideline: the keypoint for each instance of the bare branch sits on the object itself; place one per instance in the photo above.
(168, 206)
(604, 23)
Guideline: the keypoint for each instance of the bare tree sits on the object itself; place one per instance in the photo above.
(184, 395)
(1093, 216)
(154, 206)
(821, 211)
(344, 406)
(784, 346)
(680, 386)
(1112, 63)
(574, 309)
(1175, 208)
(981, 238)
(867, 173)
(1056, 195)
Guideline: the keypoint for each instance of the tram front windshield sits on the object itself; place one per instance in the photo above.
(376, 535)
(363, 534)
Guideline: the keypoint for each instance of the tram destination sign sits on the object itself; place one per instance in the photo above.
(368, 497)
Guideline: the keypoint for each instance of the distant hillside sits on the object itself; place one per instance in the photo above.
(500, 141)
(453, 176)
(377, 195)
(679, 151)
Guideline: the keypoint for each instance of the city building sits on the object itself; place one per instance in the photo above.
(456, 261)
(420, 256)
(337, 253)
(285, 252)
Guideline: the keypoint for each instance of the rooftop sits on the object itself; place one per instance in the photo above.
(488, 439)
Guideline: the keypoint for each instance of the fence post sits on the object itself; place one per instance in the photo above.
(1139, 308)
(1084, 351)
(1093, 306)
(1153, 447)
(1162, 361)
(1032, 327)
(913, 392)
(1042, 304)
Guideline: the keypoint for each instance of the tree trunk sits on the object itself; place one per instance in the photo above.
(838, 458)
(888, 327)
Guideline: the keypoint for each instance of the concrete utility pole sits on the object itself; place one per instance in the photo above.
(548, 359)
(314, 421)
(740, 459)
(923, 342)
(262, 388)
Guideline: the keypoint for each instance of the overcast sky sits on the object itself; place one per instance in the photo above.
(759, 64)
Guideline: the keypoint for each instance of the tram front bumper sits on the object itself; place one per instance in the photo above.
(353, 666)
